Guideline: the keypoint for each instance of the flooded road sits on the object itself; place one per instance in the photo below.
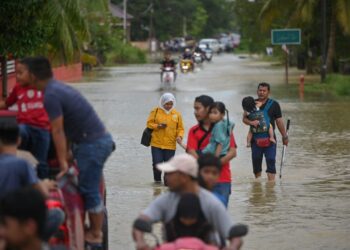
(308, 209)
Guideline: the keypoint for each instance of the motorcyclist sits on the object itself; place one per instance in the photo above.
(168, 62)
(207, 50)
(200, 51)
(187, 55)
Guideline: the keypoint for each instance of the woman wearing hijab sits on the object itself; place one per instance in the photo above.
(168, 129)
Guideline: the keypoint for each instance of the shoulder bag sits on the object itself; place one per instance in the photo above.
(147, 134)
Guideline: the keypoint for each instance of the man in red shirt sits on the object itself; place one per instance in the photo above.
(198, 139)
(32, 118)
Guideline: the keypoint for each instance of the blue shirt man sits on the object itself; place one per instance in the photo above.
(73, 119)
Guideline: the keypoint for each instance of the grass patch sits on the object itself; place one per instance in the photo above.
(336, 84)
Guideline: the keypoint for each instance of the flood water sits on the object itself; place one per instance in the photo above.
(309, 208)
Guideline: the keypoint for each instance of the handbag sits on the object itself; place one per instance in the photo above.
(263, 142)
(147, 134)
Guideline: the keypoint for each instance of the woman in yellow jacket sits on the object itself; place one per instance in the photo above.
(168, 129)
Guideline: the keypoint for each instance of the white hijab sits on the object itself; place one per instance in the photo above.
(165, 98)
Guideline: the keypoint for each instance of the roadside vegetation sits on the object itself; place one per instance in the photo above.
(336, 85)
(256, 18)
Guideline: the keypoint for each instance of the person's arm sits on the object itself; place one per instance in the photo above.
(153, 213)
(246, 121)
(235, 244)
(151, 120)
(282, 129)
(180, 130)
(45, 186)
(192, 144)
(3, 105)
(29, 178)
(60, 141)
(10, 100)
(232, 152)
(218, 150)
(280, 123)
(138, 236)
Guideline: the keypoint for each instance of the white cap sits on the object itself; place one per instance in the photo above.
(184, 163)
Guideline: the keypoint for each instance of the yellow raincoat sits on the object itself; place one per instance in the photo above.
(165, 138)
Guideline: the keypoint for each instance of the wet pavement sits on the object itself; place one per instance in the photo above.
(309, 208)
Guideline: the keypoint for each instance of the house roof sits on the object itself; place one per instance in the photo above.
(118, 12)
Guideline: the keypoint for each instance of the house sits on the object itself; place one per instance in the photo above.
(118, 12)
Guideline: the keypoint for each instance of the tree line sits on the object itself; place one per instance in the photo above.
(173, 18)
(257, 18)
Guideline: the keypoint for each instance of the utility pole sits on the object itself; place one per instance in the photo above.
(151, 35)
(184, 26)
(324, 41)
(124, 20)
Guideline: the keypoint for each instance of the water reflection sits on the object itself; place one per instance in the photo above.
(262, 197)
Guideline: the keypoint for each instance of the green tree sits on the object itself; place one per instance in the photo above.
(246, 14)
(303, 12)
(219, 16)
(20, 34)
(172, 17)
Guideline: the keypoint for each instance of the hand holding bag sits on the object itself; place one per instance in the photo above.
(147, 134)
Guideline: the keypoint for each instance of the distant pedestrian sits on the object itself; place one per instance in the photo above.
(264, 146)
(168, 129)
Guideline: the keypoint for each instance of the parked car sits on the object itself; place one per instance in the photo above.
(213, 44)
(227, 43)
(236, 39)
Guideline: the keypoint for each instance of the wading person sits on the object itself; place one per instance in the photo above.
(198, 139)
(73, 119)
(182, 173)
(168, 130)
(32, 118)
(209, 172)
(263, 146)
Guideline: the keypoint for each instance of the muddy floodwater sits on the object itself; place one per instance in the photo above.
(309, 208)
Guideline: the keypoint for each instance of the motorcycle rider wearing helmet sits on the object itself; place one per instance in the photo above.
(168, 62)
(187, 55)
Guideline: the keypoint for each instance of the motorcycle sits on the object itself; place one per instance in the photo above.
(186, 65)
(188, 243)
(168, 77)
(68, 198)
(208, 53)
(197, 58)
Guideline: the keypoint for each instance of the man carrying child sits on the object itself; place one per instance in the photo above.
(265, 146)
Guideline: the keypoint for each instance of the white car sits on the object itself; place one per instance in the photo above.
(214, 44)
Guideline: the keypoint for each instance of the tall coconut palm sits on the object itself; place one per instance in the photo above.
(68, 20)
(303, 10)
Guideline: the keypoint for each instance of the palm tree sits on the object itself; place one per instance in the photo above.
(68, 21)
(303, 10)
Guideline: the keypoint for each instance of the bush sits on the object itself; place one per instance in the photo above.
(340, 84)
(125, 53)
(336, 84)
